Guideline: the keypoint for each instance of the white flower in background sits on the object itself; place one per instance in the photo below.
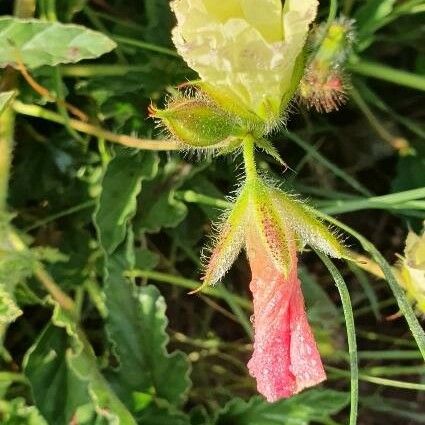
(246, 49)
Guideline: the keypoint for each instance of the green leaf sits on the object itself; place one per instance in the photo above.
(56, 388)
(5, 99)
(160, 22)
(63, 372)
(9, 311)
(312, 405)
(137, 326)
(36, 43)
(159, 206)
(16, 412)
(369, 19)
(120, 187)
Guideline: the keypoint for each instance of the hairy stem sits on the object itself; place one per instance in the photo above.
(92, 130)
(249, 159)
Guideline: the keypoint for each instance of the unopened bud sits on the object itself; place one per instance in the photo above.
(324, 83)
(197, 122)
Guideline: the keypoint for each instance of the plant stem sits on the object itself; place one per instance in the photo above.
(145, 46)
(386, 73)
(188, 284)
(333, 9)
(44, 278)
(92, 130)
(24, 8)
(398, 143)
(249, 159)
(402, 301)
(7, 120)
(351, 335)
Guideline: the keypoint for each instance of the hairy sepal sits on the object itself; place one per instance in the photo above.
(228, 241)
(307, 226)
(274, 232)
(198, 122)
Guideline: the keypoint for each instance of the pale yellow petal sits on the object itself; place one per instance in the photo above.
(266, 17)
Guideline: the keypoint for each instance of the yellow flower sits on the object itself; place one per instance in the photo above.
(412, 270)
(245, 50)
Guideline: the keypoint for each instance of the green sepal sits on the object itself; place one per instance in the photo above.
(229, 241)
(269, 149)
(198, 122)
(307, 226)
(231, 104)
(273, 229)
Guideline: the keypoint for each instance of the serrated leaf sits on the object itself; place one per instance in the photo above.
(137, 326)
(159, 207)
(64, 376)
(57, 390)
(5, 99)
(302, 409)
(120, 186)
(36, 43)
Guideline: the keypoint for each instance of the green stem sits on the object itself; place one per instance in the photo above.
(92, 130)
(145, 46)
(7, 120)
(386, 73)
(188, 284)
(24, 8)
(249, 159)
(381, 381)
(402, 301)
(44, 278)
(351, 335)
(333, 8)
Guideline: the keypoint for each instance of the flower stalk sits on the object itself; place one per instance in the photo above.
(249, 159)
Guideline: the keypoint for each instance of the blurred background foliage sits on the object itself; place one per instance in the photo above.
(118, 232)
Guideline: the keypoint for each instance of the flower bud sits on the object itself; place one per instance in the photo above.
(197, 122)
(324, 83)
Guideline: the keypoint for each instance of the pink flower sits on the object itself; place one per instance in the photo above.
(270, 225)
(285, 358)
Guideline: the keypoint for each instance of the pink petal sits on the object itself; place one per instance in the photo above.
(285, 358)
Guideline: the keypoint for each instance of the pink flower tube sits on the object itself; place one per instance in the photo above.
(285, 358)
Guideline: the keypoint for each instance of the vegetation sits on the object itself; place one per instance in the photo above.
(103, 221)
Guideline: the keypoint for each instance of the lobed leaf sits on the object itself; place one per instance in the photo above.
(136, 325)
(120, 186)
(308, 407)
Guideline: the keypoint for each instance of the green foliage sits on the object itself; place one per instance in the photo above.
(83, 339)
(5, 99)
(120, 187)
(36, 43)
(313, 405)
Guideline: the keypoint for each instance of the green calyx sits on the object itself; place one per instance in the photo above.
(198, 122)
